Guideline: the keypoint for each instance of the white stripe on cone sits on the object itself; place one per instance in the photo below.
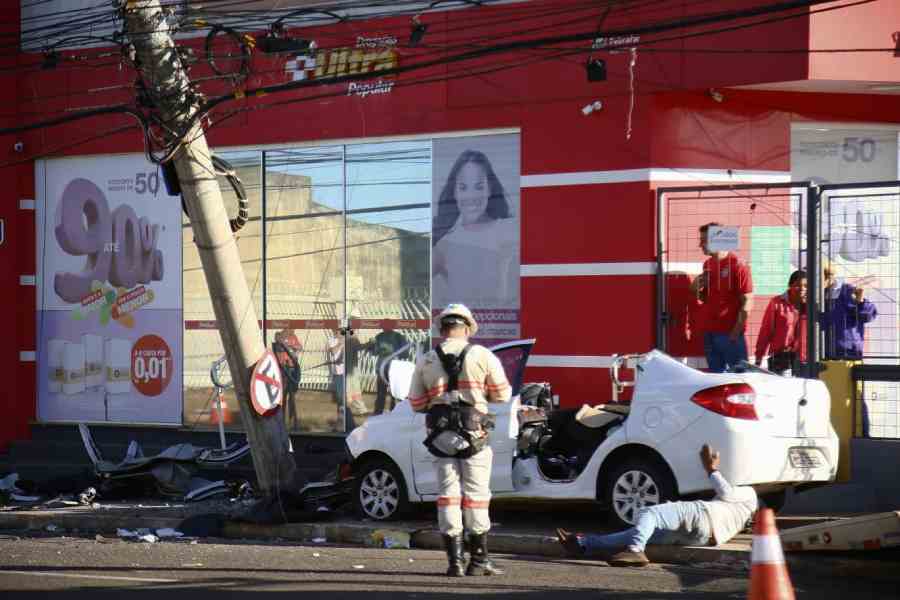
(767, 549)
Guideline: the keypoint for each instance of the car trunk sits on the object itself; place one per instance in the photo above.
(792, 407)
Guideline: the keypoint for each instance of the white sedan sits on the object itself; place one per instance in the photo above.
(774, 433)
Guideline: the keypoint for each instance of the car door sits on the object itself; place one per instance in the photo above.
(513, 356)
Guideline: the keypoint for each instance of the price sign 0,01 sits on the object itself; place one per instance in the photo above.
(151, 365)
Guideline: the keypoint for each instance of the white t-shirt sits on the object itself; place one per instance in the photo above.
(731, 509)
(482, 265)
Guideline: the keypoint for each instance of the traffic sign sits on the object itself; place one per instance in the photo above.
(266, 387)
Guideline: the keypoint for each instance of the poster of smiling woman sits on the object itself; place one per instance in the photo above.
(476, 229)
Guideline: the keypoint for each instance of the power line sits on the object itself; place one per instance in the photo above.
(525, 44)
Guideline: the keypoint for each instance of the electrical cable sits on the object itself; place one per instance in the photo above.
(515, 45)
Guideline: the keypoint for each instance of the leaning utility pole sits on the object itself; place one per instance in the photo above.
(168, 88)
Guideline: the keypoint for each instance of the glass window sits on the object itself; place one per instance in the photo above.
(202, 341)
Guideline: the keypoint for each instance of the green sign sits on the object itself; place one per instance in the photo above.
(770, 259)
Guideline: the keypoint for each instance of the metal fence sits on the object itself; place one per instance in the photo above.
(853, 230)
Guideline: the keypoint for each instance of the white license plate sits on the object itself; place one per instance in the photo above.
(805, 458)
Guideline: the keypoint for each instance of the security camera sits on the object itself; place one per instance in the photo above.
(19, 147)
(593, 106)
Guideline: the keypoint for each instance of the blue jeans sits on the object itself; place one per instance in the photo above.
(723, 353)
(673, 523)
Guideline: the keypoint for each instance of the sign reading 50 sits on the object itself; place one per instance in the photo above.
(120, 247)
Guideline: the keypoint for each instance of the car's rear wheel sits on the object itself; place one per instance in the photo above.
(635, 484)
(380, 491)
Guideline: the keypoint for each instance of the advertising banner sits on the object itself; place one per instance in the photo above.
(109, 320)
(476, 230)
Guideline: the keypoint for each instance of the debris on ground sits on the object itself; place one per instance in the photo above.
(88, 496)
(387, 538)
(172, 472)
(10, 491)
(168, 532)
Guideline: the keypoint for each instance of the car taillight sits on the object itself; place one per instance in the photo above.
(736, 400)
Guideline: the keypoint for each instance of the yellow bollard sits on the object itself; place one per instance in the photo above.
(837, 378)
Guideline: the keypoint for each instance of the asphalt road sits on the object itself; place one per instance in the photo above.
(84, 568)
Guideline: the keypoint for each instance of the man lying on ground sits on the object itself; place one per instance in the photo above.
(695, 523)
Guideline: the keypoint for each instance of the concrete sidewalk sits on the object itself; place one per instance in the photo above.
(505, 538)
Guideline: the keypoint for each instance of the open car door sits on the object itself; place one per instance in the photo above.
(513, 356)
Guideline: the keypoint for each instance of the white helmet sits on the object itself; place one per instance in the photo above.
(461, 311)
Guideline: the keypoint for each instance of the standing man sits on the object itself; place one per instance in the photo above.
(287, 350)
(783, 328)
(695, 523)
(726, 290)
(453, 384)
(844, 318)
(387, 343)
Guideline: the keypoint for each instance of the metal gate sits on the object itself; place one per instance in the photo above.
(769, 218)
(853, 229)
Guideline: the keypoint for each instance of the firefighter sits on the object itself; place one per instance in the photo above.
(453, 385)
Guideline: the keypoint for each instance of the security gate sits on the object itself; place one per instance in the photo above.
(771, 221)
(853, 229)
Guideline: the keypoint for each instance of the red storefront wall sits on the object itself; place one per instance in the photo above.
(597, 222)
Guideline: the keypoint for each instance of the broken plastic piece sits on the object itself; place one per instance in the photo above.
(167, 532)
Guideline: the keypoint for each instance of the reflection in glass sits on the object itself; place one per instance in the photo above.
(202, 341)
(305, 276)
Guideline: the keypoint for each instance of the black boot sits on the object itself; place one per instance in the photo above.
(454, 546)
(480, 564)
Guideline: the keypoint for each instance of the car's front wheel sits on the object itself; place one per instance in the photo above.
(635, 484)
(380, 492)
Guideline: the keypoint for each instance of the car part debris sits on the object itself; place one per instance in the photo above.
(88, 496)
(171, 472)
(387, 538)
(168, 532)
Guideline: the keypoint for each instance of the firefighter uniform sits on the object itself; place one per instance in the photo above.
(464, 492)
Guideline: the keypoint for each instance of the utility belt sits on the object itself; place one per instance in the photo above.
(457, 430)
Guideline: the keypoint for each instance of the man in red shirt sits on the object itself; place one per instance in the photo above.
(783, 328)
(726, 290)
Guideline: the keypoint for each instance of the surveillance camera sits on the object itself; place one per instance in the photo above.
(593, 106)
(19, 147)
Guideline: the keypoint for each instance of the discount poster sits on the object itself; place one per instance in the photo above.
(109, 318)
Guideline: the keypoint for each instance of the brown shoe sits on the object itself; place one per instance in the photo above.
(569, 542)
(627, 558)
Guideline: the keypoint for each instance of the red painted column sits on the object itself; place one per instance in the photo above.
(17, 250)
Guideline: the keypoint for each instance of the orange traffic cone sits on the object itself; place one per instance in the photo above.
(769, 579)
(214, 413)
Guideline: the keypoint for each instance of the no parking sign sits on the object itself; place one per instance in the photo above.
(266, 386)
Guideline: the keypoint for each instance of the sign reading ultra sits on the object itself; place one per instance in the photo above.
(371, 55)
(723, 239)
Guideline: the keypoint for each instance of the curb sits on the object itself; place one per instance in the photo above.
(733, 557)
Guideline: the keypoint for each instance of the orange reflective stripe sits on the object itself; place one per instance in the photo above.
(448, 500)
(470, 503)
